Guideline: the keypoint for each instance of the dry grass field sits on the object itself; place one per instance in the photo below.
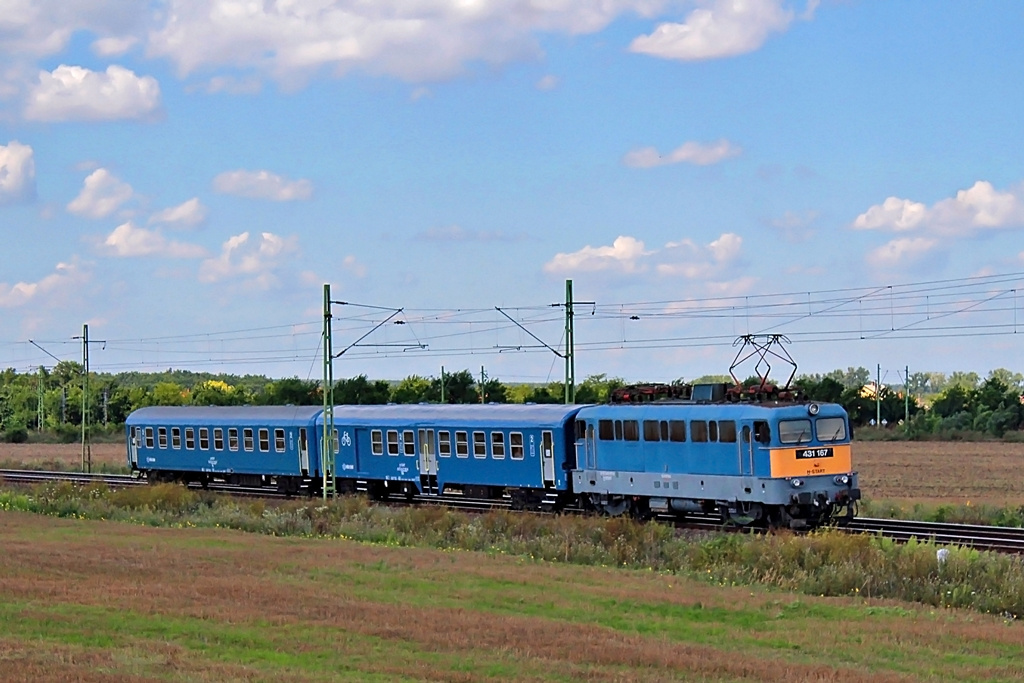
(990, 473)
(105, 601)
(981, 473)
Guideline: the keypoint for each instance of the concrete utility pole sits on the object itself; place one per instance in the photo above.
(878, 396)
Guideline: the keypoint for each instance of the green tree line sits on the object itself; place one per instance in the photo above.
(51, 400)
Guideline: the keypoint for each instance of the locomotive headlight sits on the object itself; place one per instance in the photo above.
(796, 483)
(813, 409)
(842, 480)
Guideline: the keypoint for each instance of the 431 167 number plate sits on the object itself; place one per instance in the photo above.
(813, 453)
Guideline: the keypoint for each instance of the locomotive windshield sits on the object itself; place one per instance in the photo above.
(830, 429)
(795, 431)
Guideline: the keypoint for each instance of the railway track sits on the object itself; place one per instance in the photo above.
(980, 537)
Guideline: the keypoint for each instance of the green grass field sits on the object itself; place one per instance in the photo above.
(109, 601)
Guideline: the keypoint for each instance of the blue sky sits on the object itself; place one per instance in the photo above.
(185, 176)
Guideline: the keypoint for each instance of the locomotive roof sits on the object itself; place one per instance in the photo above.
(724, 408)
(200, 415)
(471, 414)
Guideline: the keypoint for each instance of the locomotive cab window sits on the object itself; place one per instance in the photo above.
(204, 438)
(762, 432)
(605, 430)
(516, 442)
(794, 431)
(581, 429)
(727, 431)
(830, 429)
(712, 430)
(377, 442)
(651, 430)
(698, 431)
(444, 444)
(630, 430)
(677, 430)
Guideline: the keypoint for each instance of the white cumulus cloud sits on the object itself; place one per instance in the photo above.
(66, 278)
(725, 28)
(127, 240)
(416, 41)
(624, 255)
(688, 259)
(902, 252)
(256, 259)
(17, 173)
(977, 209)
(188, 214)
(628, 255)
(690, 152)
(74, 93)
(102, 194)
(262, 185)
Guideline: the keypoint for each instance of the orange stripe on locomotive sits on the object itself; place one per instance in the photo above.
(836, 459)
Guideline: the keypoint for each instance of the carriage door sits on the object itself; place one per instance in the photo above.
(303, 451)
(547, 458)
(428, 462)
(591, 448)
(133, 447)
(746, 452)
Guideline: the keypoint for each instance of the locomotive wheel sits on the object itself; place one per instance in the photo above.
(611, 507)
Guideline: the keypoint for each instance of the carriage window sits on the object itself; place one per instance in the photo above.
(461, 445)
(479, 445)
(175, 437)
(651, 430)
(762, 431)
(377, 442)
(830, 429)
(204, 438)
(264, 440)
(794, 431)
(149, 437)
(677, 430)
(727, 431)
(516, 442)
(161, 434)
(247, 440)
(605, 431)
(190, 438)
(409, 441)
(498, 445)
(392, 442)
(233, 438)
(444, 444)
(698, 431)
(337, 442)
(712, 430)
(279, 442)
(630, 430)
(218, 439)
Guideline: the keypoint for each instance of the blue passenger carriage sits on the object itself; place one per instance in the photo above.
(245, 445)
(481, 451)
